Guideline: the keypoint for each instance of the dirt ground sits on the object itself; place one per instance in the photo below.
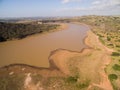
(89, 63)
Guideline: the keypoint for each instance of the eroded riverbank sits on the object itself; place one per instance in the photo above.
(88, 65)
(35, 50)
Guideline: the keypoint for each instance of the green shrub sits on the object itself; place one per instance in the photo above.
(83, 85)
(72, 79)
(112, 77)
(108, 38)
(115, 54)
(9, 31)
(12, 82)
(118, 46)
(116, 67)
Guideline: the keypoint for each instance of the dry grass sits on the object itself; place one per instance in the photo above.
(72, 70)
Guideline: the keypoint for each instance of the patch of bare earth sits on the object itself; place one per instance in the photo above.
(90, 64)
(29, 85)
(105, 59)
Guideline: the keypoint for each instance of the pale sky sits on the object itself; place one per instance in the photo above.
(33, 8)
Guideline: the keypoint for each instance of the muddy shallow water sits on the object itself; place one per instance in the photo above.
(35, 50)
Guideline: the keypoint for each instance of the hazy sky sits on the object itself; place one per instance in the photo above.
(28, 8)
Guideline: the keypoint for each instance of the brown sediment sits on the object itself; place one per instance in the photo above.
(24, 68)
(101, 56)
(59, 59)
(53, 65)
(105, 59)
(61, 56)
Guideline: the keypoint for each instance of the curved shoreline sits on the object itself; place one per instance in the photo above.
(59, 57)
(63, 27)
(36, 49)
(53, 52)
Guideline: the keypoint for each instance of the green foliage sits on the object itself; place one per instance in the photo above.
(108, 30)
(10, 31)
(115, 54)
(116, 67)
(112, 77)
(72, 79)
(83, 85)
(108, 38)
(99, 35)
(118, 45)
(12, 82)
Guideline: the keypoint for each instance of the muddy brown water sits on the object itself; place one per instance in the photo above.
(35, 50)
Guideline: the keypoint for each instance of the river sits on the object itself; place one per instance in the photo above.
(35, 50)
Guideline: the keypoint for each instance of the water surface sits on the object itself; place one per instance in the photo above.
(35, 50)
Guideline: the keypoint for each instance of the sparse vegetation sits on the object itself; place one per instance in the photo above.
(72, 79)
(113, 77)
(83, 84)
(108, 30)
(116, 67)
(12, 82)
(115, 54)
(36, 78)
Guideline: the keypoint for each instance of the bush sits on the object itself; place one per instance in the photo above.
(72, 79)
(116, 67)
(112, 76)
(115, 54)
(118, 46)
(83, 85)
(108, 38)
(12, 82)
(9, 31)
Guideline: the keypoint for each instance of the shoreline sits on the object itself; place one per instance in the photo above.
(105, 82)
(62, 26)
(58, 58)
(85, 41)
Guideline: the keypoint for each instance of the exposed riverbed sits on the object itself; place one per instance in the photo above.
(35, 50)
